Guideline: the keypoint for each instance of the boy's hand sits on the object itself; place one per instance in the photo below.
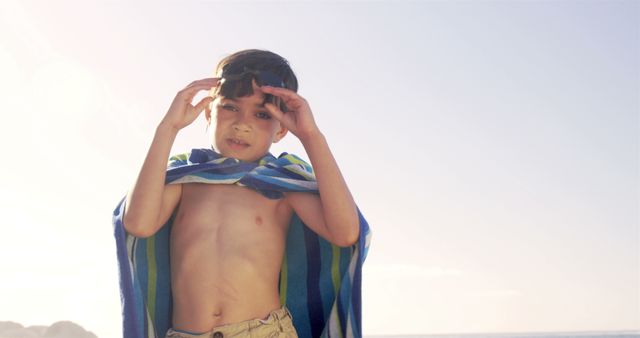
(182, 112)
(299, 119)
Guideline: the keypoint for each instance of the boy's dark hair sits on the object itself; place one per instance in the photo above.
(254, 60)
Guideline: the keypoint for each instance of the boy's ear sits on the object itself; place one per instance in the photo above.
(282, 131)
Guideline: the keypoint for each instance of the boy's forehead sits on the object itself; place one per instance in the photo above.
(258, 99)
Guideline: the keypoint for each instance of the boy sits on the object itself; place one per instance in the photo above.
(229, 214)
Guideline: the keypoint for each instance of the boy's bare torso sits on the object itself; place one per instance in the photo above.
(227, 244)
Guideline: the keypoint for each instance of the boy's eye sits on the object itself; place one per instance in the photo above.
(263, 115)
(260, 115)
(228, 107)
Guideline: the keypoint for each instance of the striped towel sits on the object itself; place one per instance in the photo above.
(320, 283)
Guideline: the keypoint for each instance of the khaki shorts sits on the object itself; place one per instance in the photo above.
(278, 324)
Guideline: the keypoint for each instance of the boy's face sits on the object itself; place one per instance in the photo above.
(244, 129)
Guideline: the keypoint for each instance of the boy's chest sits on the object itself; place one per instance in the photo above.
(225, 196)
(228, 208)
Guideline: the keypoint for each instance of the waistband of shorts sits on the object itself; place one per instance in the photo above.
(274, 316)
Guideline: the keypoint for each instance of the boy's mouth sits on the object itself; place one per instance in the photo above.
(234, 142)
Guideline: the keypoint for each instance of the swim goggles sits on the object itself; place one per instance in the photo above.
(263, 77)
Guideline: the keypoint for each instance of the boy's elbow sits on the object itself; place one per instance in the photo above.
(137, 232)
(350, 238)
(346, 242)
(132, 228)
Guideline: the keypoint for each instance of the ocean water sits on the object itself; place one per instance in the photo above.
(584, 334)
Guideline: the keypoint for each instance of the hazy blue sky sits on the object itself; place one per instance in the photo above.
(493, 147)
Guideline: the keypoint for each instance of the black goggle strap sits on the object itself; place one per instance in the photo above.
(263, 77)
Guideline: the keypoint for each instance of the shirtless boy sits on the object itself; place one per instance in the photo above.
(228, 241)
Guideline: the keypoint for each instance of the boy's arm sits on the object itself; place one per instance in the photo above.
(333, 214)
(149, 203)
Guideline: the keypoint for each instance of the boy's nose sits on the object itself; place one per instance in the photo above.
(242, 122)
(240, 126)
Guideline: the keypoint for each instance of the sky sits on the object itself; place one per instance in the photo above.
(493, 147)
